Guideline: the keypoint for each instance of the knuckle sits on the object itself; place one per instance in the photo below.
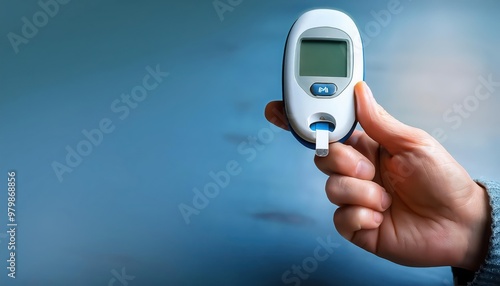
(343, 184)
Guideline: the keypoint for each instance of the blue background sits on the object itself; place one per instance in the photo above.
(118, 210)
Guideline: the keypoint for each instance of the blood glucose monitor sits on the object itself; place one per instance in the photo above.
(323, 61)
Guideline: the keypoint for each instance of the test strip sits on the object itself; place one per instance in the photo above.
(322, 140)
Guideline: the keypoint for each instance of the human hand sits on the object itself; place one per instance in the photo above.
(400, 194)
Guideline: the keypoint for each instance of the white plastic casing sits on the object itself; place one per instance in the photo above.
(304, 109)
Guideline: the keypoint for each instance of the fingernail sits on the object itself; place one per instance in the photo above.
(368, 90)
(386, 200)
(378, 217)
(363, 167)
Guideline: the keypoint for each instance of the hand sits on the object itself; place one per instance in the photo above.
(400, 194)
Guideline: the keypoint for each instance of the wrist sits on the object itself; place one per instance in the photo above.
(478, 229)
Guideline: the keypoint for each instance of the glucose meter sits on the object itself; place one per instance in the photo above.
(323, 61)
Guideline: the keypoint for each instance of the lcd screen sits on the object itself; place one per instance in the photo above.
(323, 58)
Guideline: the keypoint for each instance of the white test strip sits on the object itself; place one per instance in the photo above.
(322, 139)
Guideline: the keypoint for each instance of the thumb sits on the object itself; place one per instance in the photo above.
(380, 125)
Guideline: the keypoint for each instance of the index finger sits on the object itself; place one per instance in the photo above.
(347, 161)
(275, 113)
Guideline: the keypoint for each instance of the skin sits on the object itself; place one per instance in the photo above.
(400, 194)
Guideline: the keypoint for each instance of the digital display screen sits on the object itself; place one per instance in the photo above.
(323, 58)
